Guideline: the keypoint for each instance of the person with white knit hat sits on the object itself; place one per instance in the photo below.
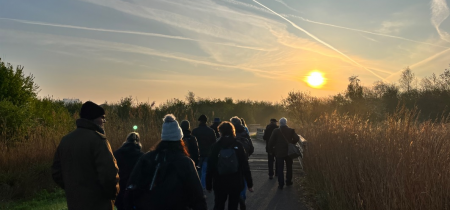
(278, 146)
(166, 178)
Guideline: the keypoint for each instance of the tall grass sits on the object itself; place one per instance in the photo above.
(399, 163)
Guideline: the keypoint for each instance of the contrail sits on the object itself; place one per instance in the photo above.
(439, 12)
(131, 32)
(322, 42)
(287, 6)
(363, 31)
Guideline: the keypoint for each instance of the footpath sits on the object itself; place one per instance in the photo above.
(267, 195)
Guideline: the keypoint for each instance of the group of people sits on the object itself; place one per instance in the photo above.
(176, 174)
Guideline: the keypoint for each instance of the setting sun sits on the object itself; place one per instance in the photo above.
(315, 79)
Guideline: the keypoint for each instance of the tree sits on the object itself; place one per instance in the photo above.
(15, 87)
(406, 79)
(354, 89)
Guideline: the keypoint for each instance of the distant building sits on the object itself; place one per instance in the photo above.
(71, 101)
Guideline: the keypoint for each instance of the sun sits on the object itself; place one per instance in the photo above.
(315, 79)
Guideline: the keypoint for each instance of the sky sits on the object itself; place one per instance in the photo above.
(155, 50)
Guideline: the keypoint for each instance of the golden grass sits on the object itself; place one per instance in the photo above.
(397, 164)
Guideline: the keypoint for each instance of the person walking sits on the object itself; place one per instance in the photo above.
(127, 156)
(267, 133)
(227, 169)
(84, 165)
(166, 178)
(214, 126)
(190, 141)
(278, 146)
(243, 137)
(206, 137)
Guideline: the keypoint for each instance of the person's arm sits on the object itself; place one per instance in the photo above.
(194, 153)
(266, 135)
(194, 188)
(252, 148)
(272, 141)
(107, 169)
(57, 170)
(212, 166)
(295, 137)
(245, 166)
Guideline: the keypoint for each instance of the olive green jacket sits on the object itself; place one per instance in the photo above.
(84, 166)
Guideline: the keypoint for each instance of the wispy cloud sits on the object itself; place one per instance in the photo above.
(322, 42)
(132, 32)
(287, 6)
(391, 27)
(440, 12)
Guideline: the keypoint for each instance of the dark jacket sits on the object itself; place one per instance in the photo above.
(206, 137)
(86, 169)
(230, 182)
(191, 143)
(268, 132)
(241, 132)
(278, 140)
(126, 156)
(176, 187)
(214, 127)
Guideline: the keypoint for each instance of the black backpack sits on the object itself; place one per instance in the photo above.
(246, 143)
(228, 161)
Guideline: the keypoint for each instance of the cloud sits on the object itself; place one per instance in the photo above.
(391, 27)
(439, 13)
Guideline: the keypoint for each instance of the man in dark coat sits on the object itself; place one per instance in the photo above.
(228, 186)
(206, 137)
(214, 126)
(190, 141)
(278, 145)
(127, 156)
(84, 165)
(267, 133)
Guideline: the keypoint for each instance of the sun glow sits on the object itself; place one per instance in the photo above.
(315, 79)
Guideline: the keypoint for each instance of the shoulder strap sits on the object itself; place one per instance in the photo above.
(284, 136)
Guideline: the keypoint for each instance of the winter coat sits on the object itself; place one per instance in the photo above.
(86, 169)
(206, 137)
(268, 132)
(127, 156)
(241, 132)
(277, 143)
(216, 130)
(176, 187)
(191, 143)
(229, 182)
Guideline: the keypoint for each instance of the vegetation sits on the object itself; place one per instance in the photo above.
(378, 147)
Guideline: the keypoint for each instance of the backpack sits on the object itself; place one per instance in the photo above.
(246, 143)
(228, 161)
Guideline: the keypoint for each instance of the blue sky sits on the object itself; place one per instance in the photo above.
(155, 50)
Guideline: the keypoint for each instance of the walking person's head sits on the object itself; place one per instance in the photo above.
(92, 111)
(243, 122)
(236, 121)
(171, 136)
(203, 118)
(273, 121)
(283, 121)
(185, 125)
(133, 138)
(227, 129)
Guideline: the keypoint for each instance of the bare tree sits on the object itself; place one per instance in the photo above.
(406, 80)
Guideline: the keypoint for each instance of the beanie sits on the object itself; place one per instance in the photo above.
(283, 121)
(202, 118)
(133, 137)
(91, 111)
(171, 131)
(236, 121)
(185, 125)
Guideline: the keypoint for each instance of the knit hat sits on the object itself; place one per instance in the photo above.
(203, 118)
(171, 131)
(217, 120)
(236, 121)
(91, 111)
(273, 120)
(283, 121)
(133, 137)
(185, 125)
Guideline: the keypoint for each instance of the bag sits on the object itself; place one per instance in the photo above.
(293, 149)
(228, 161)
(246, 143)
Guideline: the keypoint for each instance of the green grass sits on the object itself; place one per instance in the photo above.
(43, 200)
